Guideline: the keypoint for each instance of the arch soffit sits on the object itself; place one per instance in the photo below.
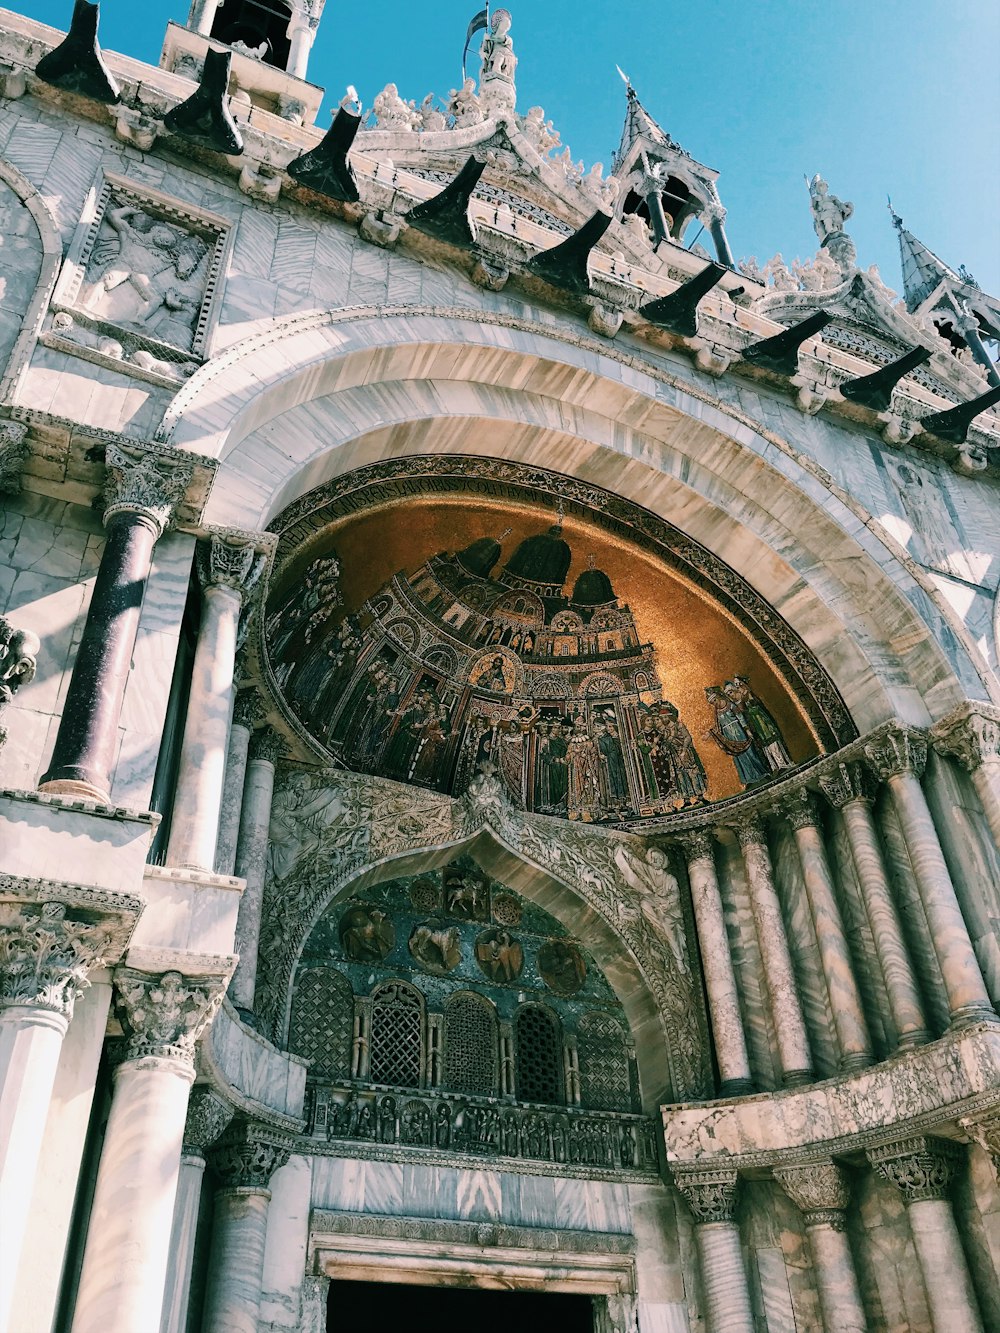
(552, 397)
(52, 254)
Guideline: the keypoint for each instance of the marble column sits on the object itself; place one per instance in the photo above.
(922, 1169)
(266, 748)
(315, 1292)
(794, 1058)
(301, 32)
(821, 1192)
(47, 950)
(720, 978)
(974, 740)
(202, 15)
(141, 492)
(228, 568)
(248, 708)
(244, 1159)
(850, 790)
(207, 1116)
(898, 758)
(711, 1196)
(846, 1007)
(127, 1253)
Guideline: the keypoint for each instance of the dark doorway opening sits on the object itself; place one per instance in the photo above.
(388, 1307)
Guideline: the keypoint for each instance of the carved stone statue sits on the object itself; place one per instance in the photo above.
(496, 85)
(18, 660)
(604, 192)
(638, 231)
(780, 275)
(829, 213)
(430, 117)
(539, 132)
(436, 948)
(392, 113)
(464, 106)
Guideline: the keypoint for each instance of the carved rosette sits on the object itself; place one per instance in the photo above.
(48, 950)
(847, 783)
(984, 1128)
(229, 560)
(799, 810)
(140, 482)
(921, 1168)
(13, 451)
(973, 741)
(165, 1015)
(697, 845)
(248, 1154)
(819, 1190)
(899, 750)
(711, 1195)
(208, 1115)
(267, 746)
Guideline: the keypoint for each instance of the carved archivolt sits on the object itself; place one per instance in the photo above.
(333, 829)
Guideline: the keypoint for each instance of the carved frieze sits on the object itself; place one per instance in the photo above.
(13, 451)
(484, 1235)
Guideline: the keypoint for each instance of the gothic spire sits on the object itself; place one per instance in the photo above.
(639, 125)
(922, 269)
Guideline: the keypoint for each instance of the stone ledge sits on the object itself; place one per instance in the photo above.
(78, 804)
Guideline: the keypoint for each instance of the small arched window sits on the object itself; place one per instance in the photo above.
(605, 1084)
(539, 1055)
(470, 1044)
(397, 1036)
(323, 1020)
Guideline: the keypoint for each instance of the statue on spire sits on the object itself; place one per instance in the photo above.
(496, 81)
(830, 215)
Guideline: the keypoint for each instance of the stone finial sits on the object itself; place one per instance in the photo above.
(13, 450)
(819, 1190)
(139, 482)
(846, 783)
(898, 750)
(973, 741)
(711, 1195)
(248, 1154)
(230, 561)
(165, 1015)
(920, 1167)
(207, 1116)
(267, 745)
(47, 953)
(19, 650)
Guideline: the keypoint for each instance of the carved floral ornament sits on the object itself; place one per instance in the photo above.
(248, 1154)
(138, 481)
(711, 1195)
(973, 741)
(164, 1015)
(819, 1189)
(921, 1168)
(231, 560)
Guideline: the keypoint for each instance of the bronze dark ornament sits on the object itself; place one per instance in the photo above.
(507, 909)
(425, 895)
(562, 967)
(499, 955)
(465, 895)
(366, 934)
(436, 948)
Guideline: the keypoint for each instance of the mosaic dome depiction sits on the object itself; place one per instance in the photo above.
(569, 648)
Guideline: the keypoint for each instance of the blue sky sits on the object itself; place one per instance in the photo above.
(880, 96)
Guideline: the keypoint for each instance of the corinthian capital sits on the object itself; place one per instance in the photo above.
(248, 1154)
(711, 1195)
(230, 560)
(697, 844)
(898, 750)
(141, 482)
(49, 948)
(207, 1116)
(799, 809)
(820, 1191)
(165, 1015)
(749, 830)
(267, 745)
(974, 740)
(846, 783)
(13, 448)
(984, 1128)
(920, 1168)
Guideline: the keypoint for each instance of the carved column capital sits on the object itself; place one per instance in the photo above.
(749, 830)
(819, 1190)
(697, 844)
(248, 1154)
(711, 1195)
(249, 708)
(164, 1015)
(139, 482)
(921, 1167)
(19, 650)
(207, 1116)
(799, 809)
(983, 1128)
(974, 740)
(230, 560)
(267, 745)
(898, 750)
(846, 783)
(13, 451)
(48, 949)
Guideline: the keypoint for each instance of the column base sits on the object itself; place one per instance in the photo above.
(736, 1087)
(972, 1013)
(63, 782)
(851, 1064)
(797, 1078)
(910, 1040)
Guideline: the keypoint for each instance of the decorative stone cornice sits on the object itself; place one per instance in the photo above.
(973, 739)
(165, 1014)
(248, 1154)
(984, 1128)
(208, 1115)
(697, 844)
(13, 451)
(48, 949)
(798, 809)
(846, 783)
(819, 1190)
(137, 481)
(711, 1195)
(921, 1168)
(230, 560)
(898, 750)
(267, 745)
(249, 708)
(481, 1234)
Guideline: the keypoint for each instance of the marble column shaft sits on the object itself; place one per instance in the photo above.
(846, 1008)
(720, 977)
(251, 861)
(899, 759)
(240, 730)
(922, 1169)
(711, 1196)
(794, 1058)
(301, 40)
(851, 791)
(126, 1258)
(821, 1192)
(228, 569)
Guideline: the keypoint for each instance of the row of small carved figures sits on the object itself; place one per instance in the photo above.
(558, 1136)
